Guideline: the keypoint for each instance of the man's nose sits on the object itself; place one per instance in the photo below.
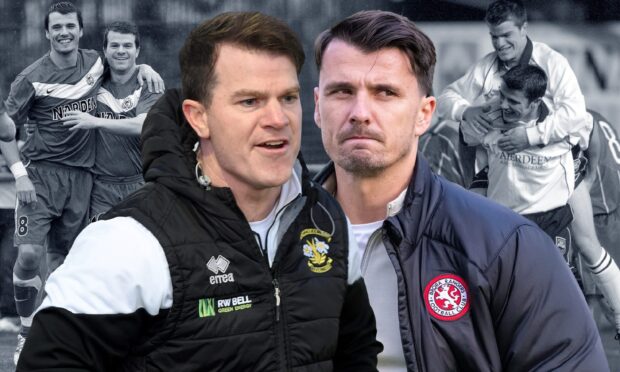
(360, 111)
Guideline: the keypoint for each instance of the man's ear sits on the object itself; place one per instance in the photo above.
(196, 116)
(523, 28)
(317, 114)
(137, 53)
(535, 104)
(425, 115)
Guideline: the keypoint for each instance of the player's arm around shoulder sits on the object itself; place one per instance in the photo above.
(7, 127)
(357, 344)
(543, 321)
(99, 302)
(461, 94)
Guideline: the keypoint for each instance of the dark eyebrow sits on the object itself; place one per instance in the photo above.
(338, 85)
(248, 93)
(380, 87)
(260, 94)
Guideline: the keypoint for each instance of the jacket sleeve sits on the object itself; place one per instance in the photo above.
(462, 93)
(568, 117)
(542, 320)
(101, 301)
(357, 339)
(62, 341)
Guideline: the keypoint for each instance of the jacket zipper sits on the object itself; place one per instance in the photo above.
(277, 296)
(280, 324)
(398, 269)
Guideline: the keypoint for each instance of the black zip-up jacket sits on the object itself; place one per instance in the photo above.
(481, 288)
(230, 310)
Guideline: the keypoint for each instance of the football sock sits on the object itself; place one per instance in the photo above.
(607, 276)
(26, 291)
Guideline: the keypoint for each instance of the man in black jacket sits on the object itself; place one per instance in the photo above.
(457, 282)
(229, 258)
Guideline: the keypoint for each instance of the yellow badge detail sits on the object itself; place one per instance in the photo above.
(316, 250)
(318, 232)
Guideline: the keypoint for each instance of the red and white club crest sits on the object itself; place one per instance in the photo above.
(446, 297)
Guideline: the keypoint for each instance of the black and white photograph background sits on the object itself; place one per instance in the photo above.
(586, 32)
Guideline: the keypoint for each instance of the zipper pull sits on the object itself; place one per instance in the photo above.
(277, 295)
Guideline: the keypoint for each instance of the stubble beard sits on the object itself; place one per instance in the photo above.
(367, 166)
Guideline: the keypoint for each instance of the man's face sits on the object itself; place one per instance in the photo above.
(63, 32)
(121, 51)
(515, 105)
(369, 108)
(254, 119)
(508, 41)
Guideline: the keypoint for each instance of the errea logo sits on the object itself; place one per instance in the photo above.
(219, 265)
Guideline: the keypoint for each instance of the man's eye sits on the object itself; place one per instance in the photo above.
(340, 92)
(291, 98)
(250, 102)
(387, 92)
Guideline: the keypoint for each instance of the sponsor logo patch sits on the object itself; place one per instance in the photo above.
(316, 249)
(209, 307)
(219, 265)
(447, 297)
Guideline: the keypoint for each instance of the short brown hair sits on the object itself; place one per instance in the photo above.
(505, 10)
(251, 30)
(63, 7)
(372, 30)
(121, 27)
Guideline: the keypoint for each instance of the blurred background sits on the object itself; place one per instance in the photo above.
(587, 32)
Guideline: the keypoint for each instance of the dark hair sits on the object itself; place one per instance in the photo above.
(63, 7)
(251, 30)
(121, 28)
(504, 10)
(529, 79)
(372, 30)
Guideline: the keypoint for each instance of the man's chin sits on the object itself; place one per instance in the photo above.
(360, 166)
(509, 119)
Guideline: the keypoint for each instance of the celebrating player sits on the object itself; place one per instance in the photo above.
(54, 192)
(122, 105)
(466, 100)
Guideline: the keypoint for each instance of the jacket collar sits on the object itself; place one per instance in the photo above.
(410, 211)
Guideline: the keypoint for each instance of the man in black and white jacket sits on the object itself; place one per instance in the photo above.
(229, 258)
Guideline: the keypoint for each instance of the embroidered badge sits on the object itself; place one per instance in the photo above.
(560, 242)
(127, 104)
(446, 297)
(316, 249)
